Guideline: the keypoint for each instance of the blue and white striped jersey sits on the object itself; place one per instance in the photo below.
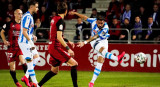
(28, 23)
(103, 33)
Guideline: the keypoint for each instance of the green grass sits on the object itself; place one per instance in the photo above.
(105, 79)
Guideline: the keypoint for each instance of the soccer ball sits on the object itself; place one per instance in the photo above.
(140, 58)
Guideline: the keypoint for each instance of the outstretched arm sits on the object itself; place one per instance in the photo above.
(78, 14)
(81, 44)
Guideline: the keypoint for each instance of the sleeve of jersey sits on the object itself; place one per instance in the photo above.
(91, 20)
(103, 34)
(4, 27)
(60, 25)
(26, 22)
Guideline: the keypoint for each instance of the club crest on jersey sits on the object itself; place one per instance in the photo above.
(61, 27)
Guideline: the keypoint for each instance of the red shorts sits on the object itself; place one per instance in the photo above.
(58, 56)
(13, 55)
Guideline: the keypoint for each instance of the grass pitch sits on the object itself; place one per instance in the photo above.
(105, 79)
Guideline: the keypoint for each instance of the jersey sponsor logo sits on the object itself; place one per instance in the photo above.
(16, 33)
(61, 27)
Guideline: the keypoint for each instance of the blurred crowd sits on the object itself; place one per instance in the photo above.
(132, 14)
(127, 14)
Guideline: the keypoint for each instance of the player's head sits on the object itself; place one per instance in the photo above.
(33, 6)
(18, 14)
(100, 21)
(62, 8)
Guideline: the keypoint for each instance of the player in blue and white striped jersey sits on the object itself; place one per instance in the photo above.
(26, 44)
(99, 43)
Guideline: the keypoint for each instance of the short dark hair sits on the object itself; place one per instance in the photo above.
(100, 17)
(61, 8)
(94, 9)
(32, 3)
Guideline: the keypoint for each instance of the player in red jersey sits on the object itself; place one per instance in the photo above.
(58, 55)
(13, 52)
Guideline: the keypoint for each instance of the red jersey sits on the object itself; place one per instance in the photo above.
(57, 24)
(13, 32)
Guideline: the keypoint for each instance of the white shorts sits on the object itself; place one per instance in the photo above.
(27, 53)
(97, 44)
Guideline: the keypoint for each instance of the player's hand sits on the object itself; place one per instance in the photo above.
(72, 13)
(80, 44)
(71, 53)
(72, 44)
(34, 38)
(6, 43)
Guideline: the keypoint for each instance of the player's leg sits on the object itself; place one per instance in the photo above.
(54, 71)
(104, 51)
(12, 71)
(97, 70)
(12, 64)
(36, 57)
(73, 63)
(30, 69)
(24, 66)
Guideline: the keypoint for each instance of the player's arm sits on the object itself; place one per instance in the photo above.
(80, 15)
(3, 35)
(59, 26)
(70, 42)
(81, 44)
(28, 38)
(61, 40)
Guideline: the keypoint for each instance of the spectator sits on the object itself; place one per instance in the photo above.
(143, 16)
(155, 14)
(10, 11)
(53, 14)
(79, 27)
(127, 13)
(150, 34)
(114, 34)
(7, 23)
(22, 8)
(37, 23)
(24, 3)
(124, 33)
(113, 11)
(121, 7)
(94, 13)
(137, 33)
(41, 34)
(43, 15)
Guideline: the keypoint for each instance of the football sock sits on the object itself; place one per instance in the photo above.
(109, 55)
(74, 75)
(35, 61)
(13, 74)
(25, 69)
(31, 72)
(48, 76)
(97, 71)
